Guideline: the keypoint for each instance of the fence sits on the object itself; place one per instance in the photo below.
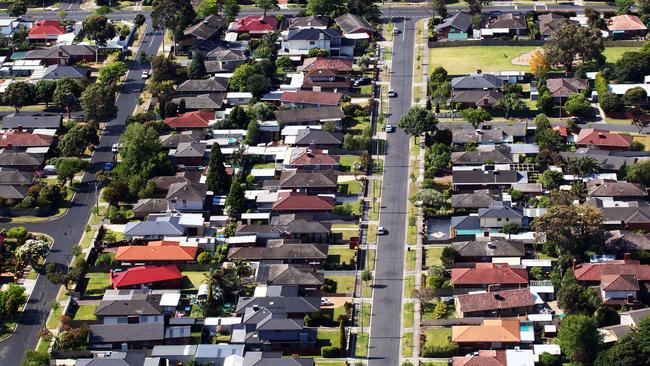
(521, 42)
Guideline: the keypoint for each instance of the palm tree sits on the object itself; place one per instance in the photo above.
(212, 280)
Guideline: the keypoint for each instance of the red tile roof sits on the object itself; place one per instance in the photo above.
(311, 97)
(506, 299)
(492, 330)
(291, 201)
(155, 252)
(196, 119)
(563, 87)
(592, 136)
(303, 156)
(484, 358)
(24, 139)
(256, 24)
(44, 28)
(563, 131)
(320, 63)
(489, 273)
(145, 274)
(625, 23)
(616, 282)
(593, 272)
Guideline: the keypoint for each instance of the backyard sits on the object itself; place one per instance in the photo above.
(97, 284)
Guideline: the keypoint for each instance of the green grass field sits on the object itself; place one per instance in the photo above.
(437, 336)
(344, 284)
(407, 315)
(85, 312)
(340, 255)
(407, 344)
(192, 280)
(97, 284)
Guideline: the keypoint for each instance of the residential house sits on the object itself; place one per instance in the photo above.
(492, 333)
(45, 31)
(500, 214)
(562, 88)
(134, 336)
(620, 242)
(315, 138)
(62, 54)
(187, 196)
(31, 122)
(205, 29)
(602, 139)
(190, 120)
(300, 41)
(307, 99)
(19, 140)
(626, 26)
(147, 206)
(303, 227)
(505, 25)
(131, 358)
(294, 202)
(203, 354)
(255, 24)
(609, 161)
(456, 26)
(633, 317)
(56, 72)
(8, 26)
(340, 65)
(293, 306)
(265, 330)
(197, 87)
(487, 133)
(281, 251)
(208, 102)
(629, 320)
(13, 177)
(309, 116)
(289, 275)
(619, 190)
(473, 201)
(470, 180)
(172, 140)
(310, 182)
(550, 22)
(225, 59)
(150, 276)
(487, 251)
(629, 218)
(139, 308)
(20, 160)
(156, 253)
(509, 357)
(478, 81)
(154, 228)
(497, 155)
(189, 154)
(317, 22)
(354, 26)
(482, 275)
(485, 99)
(619, 280)
(273, 358)
(305, 158)
(504, 303)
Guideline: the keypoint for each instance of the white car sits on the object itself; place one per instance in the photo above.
(382, 231)
(116, 147)
(392, 94)
(325, 302)
(390, 128)
(396, 30)
(145, 75)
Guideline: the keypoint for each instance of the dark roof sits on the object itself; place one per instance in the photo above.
(298, 179)
(207, 27)
(474, 200)
(479, 98)
(10, 159)
(509, 21)
(351, 23)
(496, 156)
(150, 205)
(600, 188)
(204, 101)
(312, 34)
(283, 252)
(101, 333)
(292, 304)
(31, 121)
(274, 359)
(549, 22)
(191, 191)
(285, 274)
(13, 192)
(624, 241)
(210, 85)
(485, 177)
(308, 22)
(190, 150)
(15, 177)
(494, 248)
(62, 51)
(476, 81)
(497, 300)
(220, 54)
(499, 209)
(55, 72)
(309, 114)
(461, 21)
(129, 307)
(307, 136)
(172, 140)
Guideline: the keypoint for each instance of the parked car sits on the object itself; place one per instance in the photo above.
(108, 166)
(116, 147)
(396, 30)
(145, 75)
(392, 94)
(390, 128)
(325, 302)
(362, 81)
(382, 231)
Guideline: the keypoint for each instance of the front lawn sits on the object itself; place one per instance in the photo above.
(432, 256)
(344, 284)
(362, 345)
(407, 315)
(349, 163)
(351, 187)
(192, 280)
(407, 344)
(97, 284)
(437, 337)
(409, 285)
(85, 312)
(644, 139)
(345, 232)
(340, 256)
(370, 259)
(410, 260)
(328, 338)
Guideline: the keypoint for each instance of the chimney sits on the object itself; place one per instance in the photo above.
(19, 129)
(493, 288)
(574, 264)
(627, 257)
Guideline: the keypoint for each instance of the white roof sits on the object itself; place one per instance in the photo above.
(270, 197)
(233, 360)
(219, 218)
(513, 261)
(203, 289)
(242, 239)
(542, 289)
(293, 130)
(553, 349)
(550, 328)
(536, 262)
(170, 299)
(520, 357)
(191, 220)
(66, 39)
(523, 148)
(620, 89)
(540, 317)
(6, 21)
(222, 320)
(37, 150)
(251, 194)
(356, 36)
(270, 172)
(256, 216)
(239, 95)
(231, 37)
(536, 299)
(44, 131)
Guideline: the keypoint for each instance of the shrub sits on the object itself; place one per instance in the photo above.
(105, 259)
(203, 258)
(330, 352)
(447, 350)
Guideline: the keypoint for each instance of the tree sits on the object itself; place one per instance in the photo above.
(366, 276)
(440, 8)
(511, 228)
(11, 299)
(582, 167)
(606, 316)
(182, 106)
(511, 102)
(448, 256)
(476, 116)
(572, 228)
(263, 111)
(231, 9)
(20, 94)
(17, 9)
(639, 172)
(611, 102)
(139, 20)
(418, 121)
(629, 350)
(66, 94)
(574, 298)
(175, 15)
(32, 252)
(579, 337)
(538, 64)
(111, 73)
(594, 20)
(635, 95)
(163, 68)
(45, 91)
(578, 105)
(235, 201)
(267, 5)
(632, 66)
(77, 139)
(66, 168)
(571, 42)
(252, 133)
(98, 102)
(208, 7)
(545, 102)
(238, 118)
(99, 29)
(437, 157)
(342, 338)
(196, 70)
(623, 6)
(475, 6)
(547, 359)
(257, 85)
(36, 358)
(551, 179)
(330, 8)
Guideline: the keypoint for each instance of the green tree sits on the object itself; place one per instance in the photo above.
(611, 102)
(511, 228)
(98, 102)
(284, 63)
(139, 20)
(258, 84)
(547, 359)
(418, 121)
(439, 7)
(239, 77)
(511, 102)
(623, 6)
(66, 95)
(579, 337)
(231, 9)
(163, 68)
(66, 168)
(577, 105)
(607, 316)
(573, 228)
(267, 5)
(342, 338)
(476, 116)
(629, 350)
(110, 74)
(99, 29)
(77, 139)
(252, 133)
(32, 252)
(235, 201)
(45, 91)
(20, 94)
(330, 8)
(11, 299)
(475, 6)
(632, 66)
(196, 70)
(571, 41)
(551, 179)
(448, 256)
(545, 102)
(208, 7)
(635, 95)
(35, 358)
(175, 15)
(639, 172)
(17, 9)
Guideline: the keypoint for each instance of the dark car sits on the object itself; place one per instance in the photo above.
(362, 81)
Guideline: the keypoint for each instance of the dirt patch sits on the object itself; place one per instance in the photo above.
(446, 180)
(337, 301)
(524, 58)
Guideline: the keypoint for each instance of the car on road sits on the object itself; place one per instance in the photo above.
(325, 302)
(382, 231)
(396, 31)
(390, 128)
(108, 166)
(145, 75)
(116, 147)
(362, 81)
(392, 94)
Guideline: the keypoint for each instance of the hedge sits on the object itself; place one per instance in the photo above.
(330, 351)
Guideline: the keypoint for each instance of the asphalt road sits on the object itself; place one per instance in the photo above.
(385, 323)
(67, 230)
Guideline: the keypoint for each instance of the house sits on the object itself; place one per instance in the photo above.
(45, 31)
(62, 54)
(562, 88)
(56, 72)
(255, 24)
(309, 159)
(21, 140)
(31, 121)
(486, 251)
(288, 275)
(619, 280)
(484, 274)
(281, 251)
(302, 227)
(492, 333)
(225, 59)
(147, 206)
(150, 276)
(20, 160)
(309, 116)
(456, 26)
(186, 196)
(13, 177)
(629, 218)
(505, 25)
(620, 242)
(131, 358)
(340, 65)
(264, 330)
(485, 99)
(470, 180)
(208, 102)
(203, 86)
(486, 134)
(633, 317)
(626, 26)
(504, 303)
(300, 202)
(306, 99)
(496, 155)
(273, 358)
(189, 154)
(317, 22)
(479, 81)
(300, 41)
(619, 190)
(550, 22)
(134, 336)
(207, 28)
(628, 321)
(310, 182)
(326, 80)
(203, 354)
(606, 140)
(293, 306)
(509, 357)
(139, 308)
(354, 26)
(475, 200)
(500, 214)
(190, 120)
(314, 138)
(609, 161)
(154, 253)
(155, 228)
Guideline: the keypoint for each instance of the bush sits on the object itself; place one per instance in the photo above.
(204, 258)
(611, 102)
(448, 350)
(329, 352)
(116, 215)
(105, 259)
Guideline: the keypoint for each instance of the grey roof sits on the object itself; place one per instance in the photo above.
(494, 248)
(626, 241)
(479, 98)
(285, 274)
(129, 307)
(210, 85)
(626, 215)
(207, 27)
(219, 351)
(31, 121)
(308, 22)
(274, 359)
(190, 191)
(130, 358)
(496, 156)
(461, 21)
(599, 188)
(184, 331)
(15, 177)
(637, 315)
(172, 140)
(9, 159)
(608, 161)
(210, 101)
(499, 210)
(301, 179)
(220, 54)
(476, 81)
(485, 177)
(351, 23)
(509, 21)
(102, 333)
(150, 205)
(55, 72)
(309, 114)
(549, 22)
(308, 136)
(285, 252)
(474, 200)
(465, 222)
(13, 192)
(190, 150)
(291, 304)
(312, 34)
(73, 50)
(169, 227)
(174, 350)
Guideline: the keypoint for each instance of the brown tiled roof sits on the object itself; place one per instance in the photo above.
(24, 139)
(198, 119)
(306, 156)
(600, 188)
(155, 253)
(617, 282)
(506, 299)
(484, 358)
(625, 23)
(282, 252)
(592, 136)
(297, 179)
(593, 272)
(320, 63)
(289, 201)
(489, 273)
(311, 97)
(563, 87)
